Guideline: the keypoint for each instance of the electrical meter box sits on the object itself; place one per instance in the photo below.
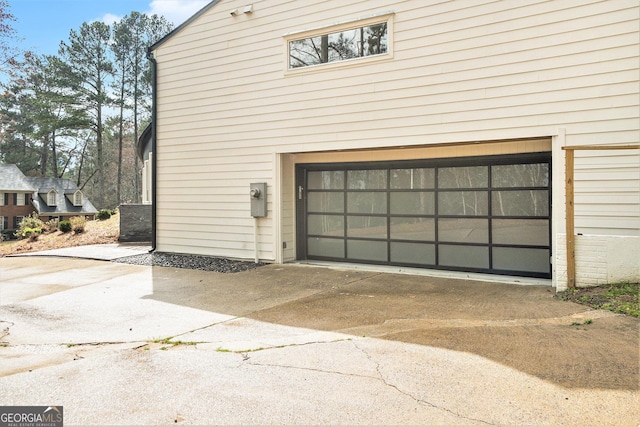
(258, 194)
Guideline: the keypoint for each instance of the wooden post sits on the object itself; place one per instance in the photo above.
(570, 232)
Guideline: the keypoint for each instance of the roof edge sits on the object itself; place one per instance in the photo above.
(182, 26)
(143, 140)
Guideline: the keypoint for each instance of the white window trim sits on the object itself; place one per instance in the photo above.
(20, 198)
(75, 198)
(54, 194)
(336, 27)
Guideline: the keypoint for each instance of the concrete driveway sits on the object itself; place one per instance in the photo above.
(118, 344)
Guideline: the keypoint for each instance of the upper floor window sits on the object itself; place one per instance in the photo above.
(339, 44)
(52, 198)
(20, 199)
(77, 198)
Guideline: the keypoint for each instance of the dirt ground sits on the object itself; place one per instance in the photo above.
(620, 298)
(96, 232)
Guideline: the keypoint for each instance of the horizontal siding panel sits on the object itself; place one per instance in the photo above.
(217, 234)
(626, 223)
(621, 209)
(602, 120)
(231, 249)
(175, 218)
(401, 103)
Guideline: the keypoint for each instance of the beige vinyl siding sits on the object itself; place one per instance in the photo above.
(460, 71)
(607, 192)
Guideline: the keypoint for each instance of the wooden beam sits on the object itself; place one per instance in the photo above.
(570, 232)
(602, 147)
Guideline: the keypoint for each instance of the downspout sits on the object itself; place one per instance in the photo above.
(154, 199)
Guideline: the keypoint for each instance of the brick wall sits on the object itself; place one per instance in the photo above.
(10, 210)
(599, 260)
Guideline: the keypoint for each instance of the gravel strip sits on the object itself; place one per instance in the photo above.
(192, 262)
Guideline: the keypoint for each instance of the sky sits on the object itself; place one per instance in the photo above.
(42, 24)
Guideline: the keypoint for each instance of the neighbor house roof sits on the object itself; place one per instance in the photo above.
(13, 180)
(65, 189)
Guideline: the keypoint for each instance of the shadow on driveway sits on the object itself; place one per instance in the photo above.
(522, 327)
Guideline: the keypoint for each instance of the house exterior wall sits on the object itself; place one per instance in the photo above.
(229, 112)
(9, 210)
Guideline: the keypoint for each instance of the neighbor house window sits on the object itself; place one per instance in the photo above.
(2, 196)
(18, 220)
(20, 199)
(340, 44)
(51, 198)
(77, 198)
(1, 222)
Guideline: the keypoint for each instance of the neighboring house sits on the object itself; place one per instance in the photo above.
(16, 192)
(59, 198)
(404, 133)
(48, 197)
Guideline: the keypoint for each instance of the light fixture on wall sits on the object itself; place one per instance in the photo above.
(247, 10)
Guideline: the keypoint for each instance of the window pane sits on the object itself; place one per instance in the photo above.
(463, 177)
(325, 180)
(416, 202)
(306, 52)
(463, 256)
(521, 232)
(410, 179)
(367, 202)
(413, 253)
(521, 259)
(463, 230)
(472, 203)
(413, 229)
(339, 46)
(374, 227)
(325, 202)
(533, 175)
(367, 179)
(520, 203)
(326, 225)
(325, 247)
(367, 250)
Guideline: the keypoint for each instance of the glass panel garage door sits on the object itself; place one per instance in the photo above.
(488, 214)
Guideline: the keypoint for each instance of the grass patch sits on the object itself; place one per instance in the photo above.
(618, 297)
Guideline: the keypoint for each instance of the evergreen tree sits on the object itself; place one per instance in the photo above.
(87, 55)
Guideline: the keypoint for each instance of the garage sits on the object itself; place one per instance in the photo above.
(486, 214)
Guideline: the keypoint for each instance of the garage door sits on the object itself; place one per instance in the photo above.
(480, 214)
